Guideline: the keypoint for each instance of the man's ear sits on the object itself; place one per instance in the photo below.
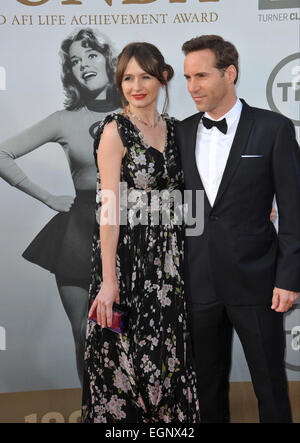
(231, 73)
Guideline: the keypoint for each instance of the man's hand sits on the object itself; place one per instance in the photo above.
(282, 299)
(273, 214)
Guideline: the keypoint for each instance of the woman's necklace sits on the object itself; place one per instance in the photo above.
(128, 112)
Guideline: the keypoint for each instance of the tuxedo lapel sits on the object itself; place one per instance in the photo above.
(191, 135)
(238, 147)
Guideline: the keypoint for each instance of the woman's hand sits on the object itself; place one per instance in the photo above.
(108, 294)
(60, 203)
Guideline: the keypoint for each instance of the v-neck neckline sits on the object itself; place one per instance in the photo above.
(142, 139)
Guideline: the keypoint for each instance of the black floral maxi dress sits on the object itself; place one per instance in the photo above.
(145, 375)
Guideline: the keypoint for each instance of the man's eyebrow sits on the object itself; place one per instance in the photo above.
(197, 73)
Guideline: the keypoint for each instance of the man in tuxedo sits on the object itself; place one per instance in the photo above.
(239, 273)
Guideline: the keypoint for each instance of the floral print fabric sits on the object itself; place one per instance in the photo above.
(146, 374)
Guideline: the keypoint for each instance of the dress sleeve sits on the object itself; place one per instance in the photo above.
(109, 118)
(173, 120)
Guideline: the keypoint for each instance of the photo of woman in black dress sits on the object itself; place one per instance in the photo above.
(64, 245)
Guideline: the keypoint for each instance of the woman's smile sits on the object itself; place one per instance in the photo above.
(88, 75)
(139, 96)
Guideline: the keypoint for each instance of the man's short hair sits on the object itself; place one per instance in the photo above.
(225, 52)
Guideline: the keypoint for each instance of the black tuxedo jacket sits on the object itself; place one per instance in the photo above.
(239, 258)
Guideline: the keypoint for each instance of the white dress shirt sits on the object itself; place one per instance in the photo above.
(212, 150)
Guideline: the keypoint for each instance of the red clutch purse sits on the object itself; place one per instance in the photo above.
(119, 319)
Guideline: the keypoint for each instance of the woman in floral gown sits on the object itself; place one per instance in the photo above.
(145, 374)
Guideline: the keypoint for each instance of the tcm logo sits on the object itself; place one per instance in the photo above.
(278, 4)
(2, 79)
(283, 88)
(292, 332)
(2, 339)
(295, 332)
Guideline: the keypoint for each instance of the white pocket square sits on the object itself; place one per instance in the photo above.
(252, 156)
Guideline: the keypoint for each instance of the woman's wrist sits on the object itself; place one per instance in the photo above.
(110, 280)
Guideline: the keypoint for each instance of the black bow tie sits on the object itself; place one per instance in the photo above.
(221, 125)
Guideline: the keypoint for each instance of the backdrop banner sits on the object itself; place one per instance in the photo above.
(46, 162)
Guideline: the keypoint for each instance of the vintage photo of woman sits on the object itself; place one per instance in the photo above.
(64, 245)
